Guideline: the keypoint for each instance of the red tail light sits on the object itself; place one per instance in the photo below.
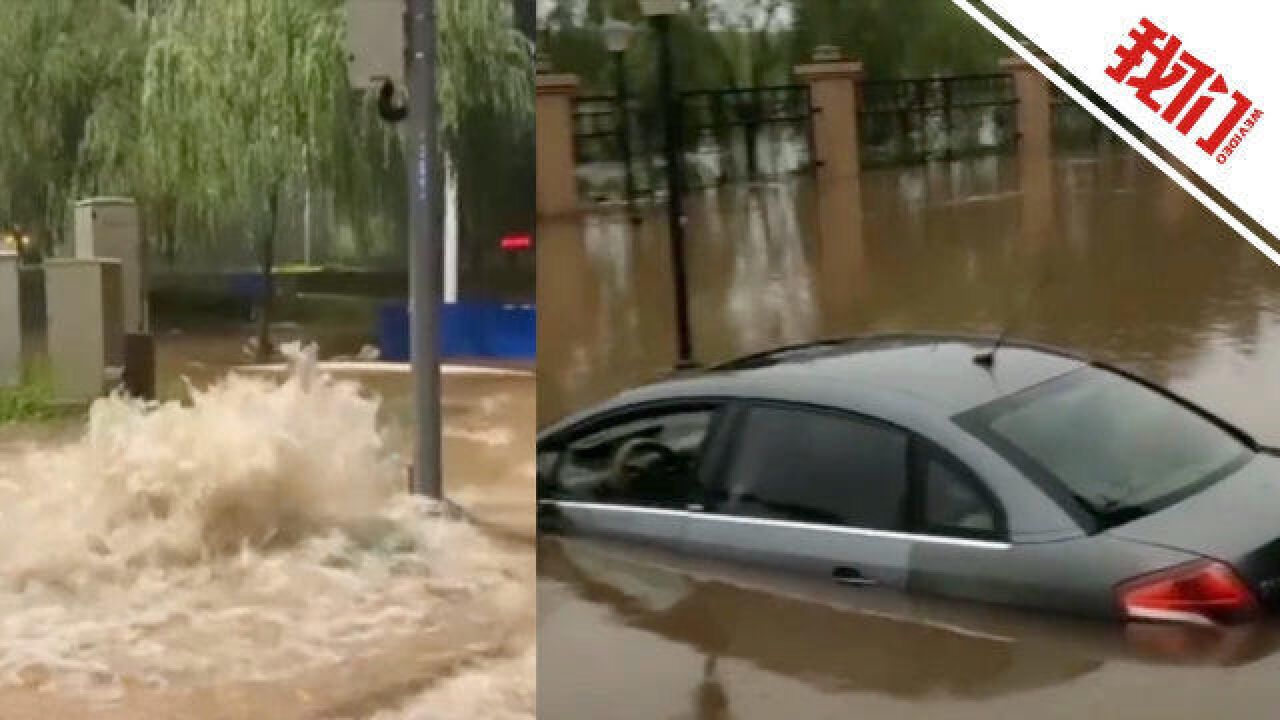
(517, 243)
(1204, 592)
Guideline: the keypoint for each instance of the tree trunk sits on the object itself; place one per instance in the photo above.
(268, 261)
(169, 239)
(168, 230)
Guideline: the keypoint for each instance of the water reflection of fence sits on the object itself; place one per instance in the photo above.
(746, 134)
(941, 118)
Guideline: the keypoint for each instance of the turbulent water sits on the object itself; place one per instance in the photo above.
(258, 532)
(501, 692)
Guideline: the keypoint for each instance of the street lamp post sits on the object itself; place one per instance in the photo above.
(659, 13)
(617, 37)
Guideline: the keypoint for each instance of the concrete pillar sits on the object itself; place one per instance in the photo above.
(1038, 202)
(10, 322)
(833, 94)
(86, 326)
(1172, 202)
(1035, 148)
(1035, 106)
(557, 185)
(569, 304)
(108, 228)
(840, 256)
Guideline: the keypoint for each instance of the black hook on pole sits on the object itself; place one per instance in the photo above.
(393, 106)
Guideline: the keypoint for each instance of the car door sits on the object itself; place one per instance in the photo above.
(633, 476)
(812, 490)
(960, 525)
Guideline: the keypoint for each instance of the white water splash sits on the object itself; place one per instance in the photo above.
(504, 691)
(257, 532)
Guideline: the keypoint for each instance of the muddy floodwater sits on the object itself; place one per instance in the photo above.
(1095, 252)
(252, 551)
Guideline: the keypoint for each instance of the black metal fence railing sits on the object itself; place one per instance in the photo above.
(941, 118)
(1073, 128)
(749, 134)
(597, 126)
(746, 134)
(730, 135)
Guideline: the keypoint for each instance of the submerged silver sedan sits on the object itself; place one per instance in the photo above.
(966, 467)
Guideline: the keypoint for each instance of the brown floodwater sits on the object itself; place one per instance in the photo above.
(252, 552)
(1094, 252)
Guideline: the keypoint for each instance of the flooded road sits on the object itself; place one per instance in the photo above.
(1113, 260)
(253, 554)
(1098, 253)
(625, 635)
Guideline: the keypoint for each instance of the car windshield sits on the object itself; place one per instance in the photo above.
(1119, 448)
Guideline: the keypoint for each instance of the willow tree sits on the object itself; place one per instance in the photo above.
(896, 39)
(486, 93)
(60, 61)
(237, 101)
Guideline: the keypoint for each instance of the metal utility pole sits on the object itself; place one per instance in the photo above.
(675, 188)
(426, 278)
(617, 38)
(624, 130)
(526, 16)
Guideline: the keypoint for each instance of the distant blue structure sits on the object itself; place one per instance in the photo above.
(393, 332)
(248, 286)
(477, 330)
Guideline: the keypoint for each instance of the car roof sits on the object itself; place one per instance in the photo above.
(916, 382)
(875, 373)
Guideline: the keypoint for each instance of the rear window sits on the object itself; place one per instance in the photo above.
(1116, 447)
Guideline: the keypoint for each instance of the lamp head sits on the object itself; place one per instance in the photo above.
(658, 8)
(617, 35)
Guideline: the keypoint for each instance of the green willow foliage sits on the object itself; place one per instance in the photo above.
(60, 61)
(209, 111)
(735, 43)
(898, 38)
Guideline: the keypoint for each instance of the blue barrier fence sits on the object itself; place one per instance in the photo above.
(249, 286)
(468, 330)
(481, 330)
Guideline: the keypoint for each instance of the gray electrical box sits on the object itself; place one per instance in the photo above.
(86, 326)
(10, 322)
(108, 228)
(376, 49)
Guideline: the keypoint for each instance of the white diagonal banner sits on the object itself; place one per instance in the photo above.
(1195, 77)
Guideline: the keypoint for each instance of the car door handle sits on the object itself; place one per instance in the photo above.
(850, 576)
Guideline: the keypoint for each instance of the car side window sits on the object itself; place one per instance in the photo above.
(953, 503)
(806, 465)
(650, 461)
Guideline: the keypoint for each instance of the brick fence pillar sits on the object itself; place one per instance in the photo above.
(557, 191)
